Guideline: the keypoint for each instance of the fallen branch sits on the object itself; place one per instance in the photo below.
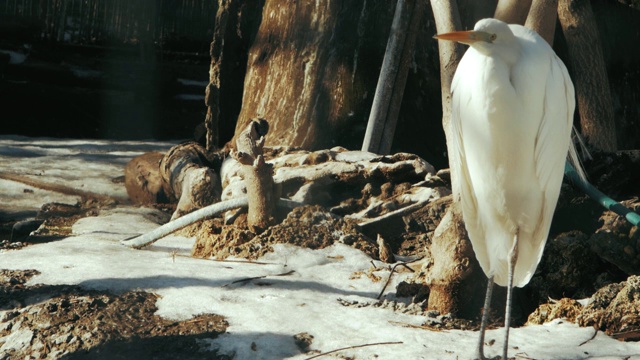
(179, 223)
(206, 212)
(354, 347)
(229, 261)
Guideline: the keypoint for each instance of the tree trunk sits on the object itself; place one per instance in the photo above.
(450, 52)
(235, 28)
(589, 73)
(310, 71)
(454, 277)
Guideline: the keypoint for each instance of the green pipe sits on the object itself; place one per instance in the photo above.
(600, 197)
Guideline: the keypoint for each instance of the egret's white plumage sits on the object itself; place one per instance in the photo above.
(512, 114)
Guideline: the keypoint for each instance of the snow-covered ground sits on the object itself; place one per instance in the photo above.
(265, 312)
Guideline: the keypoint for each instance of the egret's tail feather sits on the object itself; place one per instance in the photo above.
(574, 158)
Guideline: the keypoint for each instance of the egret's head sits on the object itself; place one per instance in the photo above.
(489, 36)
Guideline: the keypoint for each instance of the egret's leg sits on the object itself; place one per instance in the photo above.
(513, 257)
(485, 318)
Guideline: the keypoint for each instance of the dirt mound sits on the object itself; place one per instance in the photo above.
(311, 227)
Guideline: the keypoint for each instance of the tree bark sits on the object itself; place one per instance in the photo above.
(450, 52)
(447, 19)
(310, 71)
(589, 73)
(454, 277)
(542, 18)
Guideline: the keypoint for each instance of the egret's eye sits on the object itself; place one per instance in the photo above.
(493, 37)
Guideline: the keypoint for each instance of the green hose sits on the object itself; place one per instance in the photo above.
(600, 197)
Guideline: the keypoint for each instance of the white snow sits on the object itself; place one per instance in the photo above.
(266, 311)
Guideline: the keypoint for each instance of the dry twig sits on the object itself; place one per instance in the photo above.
(354, 347)
(245, 280)
(391, 274)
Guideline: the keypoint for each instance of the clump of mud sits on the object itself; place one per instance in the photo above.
(614, 309)
(309, 226)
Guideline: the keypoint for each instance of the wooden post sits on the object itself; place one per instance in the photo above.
(393, 75)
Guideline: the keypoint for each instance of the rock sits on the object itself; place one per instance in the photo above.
(22, 229)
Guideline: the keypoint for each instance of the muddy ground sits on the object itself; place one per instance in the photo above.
(592, 253)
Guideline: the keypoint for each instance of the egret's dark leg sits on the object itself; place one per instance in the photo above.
(513, 257)
(485, 318)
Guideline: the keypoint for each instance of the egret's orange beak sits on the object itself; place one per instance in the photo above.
(465, 37)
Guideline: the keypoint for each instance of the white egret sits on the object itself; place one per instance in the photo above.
(512, 114)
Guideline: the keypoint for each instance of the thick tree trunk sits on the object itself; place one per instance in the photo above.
(589, 73)
(310, 71)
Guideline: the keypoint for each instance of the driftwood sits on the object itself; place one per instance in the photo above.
(188, 178)
(184, 175)
(143, 181)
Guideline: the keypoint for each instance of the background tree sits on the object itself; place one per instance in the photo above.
(594, 102)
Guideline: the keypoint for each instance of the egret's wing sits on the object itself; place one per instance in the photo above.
(461, 184)
(460, 180)
(554, 133)
(553, 137)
